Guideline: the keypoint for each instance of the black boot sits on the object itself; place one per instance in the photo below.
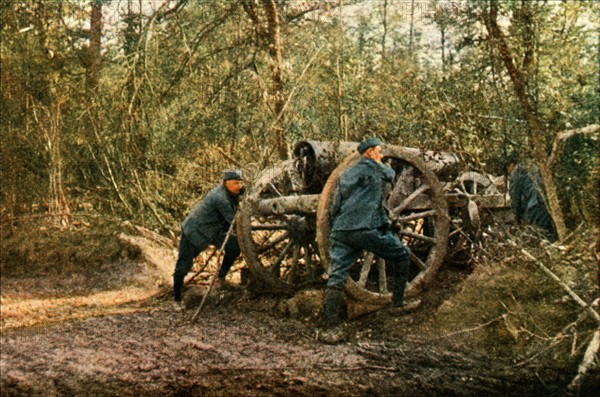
(400, 275)
(177, 288)
(331, 309)
(332, 306)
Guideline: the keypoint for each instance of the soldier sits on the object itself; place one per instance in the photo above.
(207, 224)
(360, 222)
(526, 189)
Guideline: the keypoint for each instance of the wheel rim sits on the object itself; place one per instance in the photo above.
(466, 220)
(279, 248)
(416, 201)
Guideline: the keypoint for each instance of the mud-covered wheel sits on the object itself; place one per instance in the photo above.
(416, 202)
(279, 244)
(466, 219)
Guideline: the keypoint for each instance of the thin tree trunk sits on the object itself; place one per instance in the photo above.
(93, 61)
(412, 27)
(384, 36)
(276, 54)
(342, 117)
(520, 86)
(50, 124)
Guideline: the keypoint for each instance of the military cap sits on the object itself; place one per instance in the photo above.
(232, 174)
(369, 143)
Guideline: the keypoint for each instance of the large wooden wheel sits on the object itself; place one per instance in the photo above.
(417, 203)
(276, 230)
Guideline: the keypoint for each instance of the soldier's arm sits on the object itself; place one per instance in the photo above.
(388, 172)
(516, 195)
(226, 210)
(218, 203)
(336, 201)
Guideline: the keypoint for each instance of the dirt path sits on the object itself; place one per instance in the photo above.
(91, 331)
(234, 350)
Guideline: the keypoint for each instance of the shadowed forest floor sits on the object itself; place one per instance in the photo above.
(78, 318)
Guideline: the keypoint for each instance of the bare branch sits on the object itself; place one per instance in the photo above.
(569, 291)
(564, 135)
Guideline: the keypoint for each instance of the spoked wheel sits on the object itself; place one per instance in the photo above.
(466, 220)
(416, 203)
(276, 230)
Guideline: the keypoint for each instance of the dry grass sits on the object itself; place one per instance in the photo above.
(52, 275)
(509, 308)
(16, 313)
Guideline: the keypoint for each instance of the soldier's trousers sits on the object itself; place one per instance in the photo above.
(347, 246)
(188, 251)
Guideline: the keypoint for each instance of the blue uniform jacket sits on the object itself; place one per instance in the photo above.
(525, 192)
(527, 199)
(210, 219)
(358, 198)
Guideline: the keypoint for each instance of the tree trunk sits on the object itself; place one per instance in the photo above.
(58, 203)
(93, 61)
(519, 80)
(276, 54)
(49, 122)
(270, 33)
(385, 28)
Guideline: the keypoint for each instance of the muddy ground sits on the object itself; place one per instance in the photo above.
(86, 322)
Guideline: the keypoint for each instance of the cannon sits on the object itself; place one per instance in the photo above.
(284, 220)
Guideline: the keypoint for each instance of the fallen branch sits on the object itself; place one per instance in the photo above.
(591, 354)
(557, 339)
(569, 291)
(466, 330)
(362, 368)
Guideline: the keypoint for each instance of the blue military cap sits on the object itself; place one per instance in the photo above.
(232, 174)
(369, 143)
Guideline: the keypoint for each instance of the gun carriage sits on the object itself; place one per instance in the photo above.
(284, 221)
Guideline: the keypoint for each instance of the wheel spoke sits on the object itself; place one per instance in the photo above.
(269, 226)
(276, 267)
(415, 216)
(366, 268)
(308, 261)
(382, 276)
(273, 243)
(289, 272)
(418, 236)
(418, 261)
(275, 189)
(409, 200)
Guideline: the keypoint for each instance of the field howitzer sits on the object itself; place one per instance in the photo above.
(284, 221)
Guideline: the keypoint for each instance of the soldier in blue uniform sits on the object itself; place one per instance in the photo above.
(360, 222)
(208, 223)
(526, 189)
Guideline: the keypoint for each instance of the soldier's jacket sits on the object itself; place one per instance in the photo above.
(358, 198)
(524, 191)
(527, 199)
(210, 219)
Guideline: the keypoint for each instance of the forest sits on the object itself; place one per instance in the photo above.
(117, 116)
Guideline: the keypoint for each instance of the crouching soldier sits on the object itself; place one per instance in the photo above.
(527, 195)
(208, 223)
(360, 222)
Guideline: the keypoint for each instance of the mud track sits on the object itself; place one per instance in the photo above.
(234, 350)
(86, 327)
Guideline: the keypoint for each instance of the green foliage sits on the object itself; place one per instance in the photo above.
(178, 88)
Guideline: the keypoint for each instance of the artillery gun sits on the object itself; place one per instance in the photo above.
(283, 224)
